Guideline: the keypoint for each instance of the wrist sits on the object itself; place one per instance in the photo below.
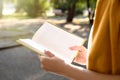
(72, 71)
(67, 70)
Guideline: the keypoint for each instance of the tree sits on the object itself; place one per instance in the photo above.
(36, 8)
(73, 7)
(91, 7)
(66, 5)
(71, 10)
(1, 7)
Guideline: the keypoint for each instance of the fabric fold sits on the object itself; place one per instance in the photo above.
(104, 54)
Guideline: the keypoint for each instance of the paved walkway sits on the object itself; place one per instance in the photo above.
(19, 63)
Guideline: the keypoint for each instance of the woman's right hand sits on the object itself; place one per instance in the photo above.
(52, 63)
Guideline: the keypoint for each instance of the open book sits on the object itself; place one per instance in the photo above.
(54, 39)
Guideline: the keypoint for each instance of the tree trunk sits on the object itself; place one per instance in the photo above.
(71, 11)
(36, 8)
(90, 13)
(88, 8)
(1, 8)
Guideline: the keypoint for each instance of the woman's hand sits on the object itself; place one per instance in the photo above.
(52, 63)
(81, 56)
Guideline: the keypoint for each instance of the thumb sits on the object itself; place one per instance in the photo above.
(48, 53)
(75, 47)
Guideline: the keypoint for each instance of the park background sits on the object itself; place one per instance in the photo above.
(21, 18)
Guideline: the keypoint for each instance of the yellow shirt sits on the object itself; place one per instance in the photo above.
(104, 55)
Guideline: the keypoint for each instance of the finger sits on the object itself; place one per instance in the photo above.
(75, 47)
(48, 53)
(41, 58)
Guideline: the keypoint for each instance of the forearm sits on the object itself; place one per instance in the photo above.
(84, 74)
(54, 64)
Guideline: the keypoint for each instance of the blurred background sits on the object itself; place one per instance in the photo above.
(21, 18)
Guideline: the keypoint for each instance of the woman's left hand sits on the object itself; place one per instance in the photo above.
(81, 56)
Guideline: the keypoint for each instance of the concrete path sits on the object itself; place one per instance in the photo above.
(22, 64)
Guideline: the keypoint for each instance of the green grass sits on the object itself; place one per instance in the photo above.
(16, 15)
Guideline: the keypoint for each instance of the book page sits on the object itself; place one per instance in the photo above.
(38, 48)
(57, 41)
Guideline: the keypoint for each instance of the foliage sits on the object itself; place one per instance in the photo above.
(44, 5)
(1, 7)
(93, 4)
(29, 6)
(60, 4)
(80, 5)
(73, 6)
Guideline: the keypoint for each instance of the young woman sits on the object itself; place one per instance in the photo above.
(103, 53)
